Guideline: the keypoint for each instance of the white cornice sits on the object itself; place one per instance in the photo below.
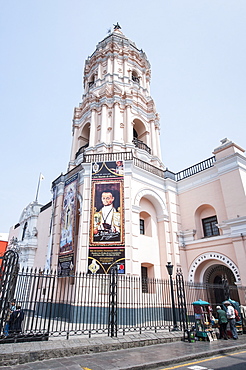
(231, 163)
(234, 227)
(219, 239)
(222, 166)
(202, 178)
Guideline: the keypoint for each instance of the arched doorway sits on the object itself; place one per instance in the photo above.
(220, 282)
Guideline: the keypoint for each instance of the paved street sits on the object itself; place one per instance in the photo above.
(230, 361)
(138, 358)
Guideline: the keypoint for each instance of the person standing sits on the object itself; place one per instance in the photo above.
(230, 313)
(222, 321)
(11, 308)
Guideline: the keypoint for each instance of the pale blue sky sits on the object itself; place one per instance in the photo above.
(197, 53)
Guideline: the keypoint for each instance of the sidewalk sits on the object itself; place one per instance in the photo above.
(133, 351)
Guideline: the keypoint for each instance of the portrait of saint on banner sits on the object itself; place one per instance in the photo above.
(107, 215)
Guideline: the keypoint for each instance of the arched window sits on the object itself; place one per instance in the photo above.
(145, 224)
(83, 139)
(91, 81)
(206, 221)
(135, 77)
(140, 135)
(147, 273)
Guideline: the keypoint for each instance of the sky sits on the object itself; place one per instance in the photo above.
(197, 53)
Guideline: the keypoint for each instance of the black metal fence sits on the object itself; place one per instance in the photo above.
(87, 304)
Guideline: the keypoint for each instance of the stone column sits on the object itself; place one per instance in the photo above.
(157, 135)
(148, 139)
(99, 75)
(116, 123)
(153, 143)
(110, 62)
(129, 128)
(104, 124)
(115, 66)
(93, 128)
(135, 262)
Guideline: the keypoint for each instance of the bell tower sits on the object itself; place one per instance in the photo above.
(111, 209)
(117, 113)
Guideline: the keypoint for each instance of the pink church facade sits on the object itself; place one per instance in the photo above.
(213, 222)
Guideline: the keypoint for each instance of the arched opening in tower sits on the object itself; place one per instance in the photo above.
(140, 135)
(83, 139)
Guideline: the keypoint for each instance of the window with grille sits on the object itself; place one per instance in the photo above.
(144, 276)
(141, 226)
(209, 226)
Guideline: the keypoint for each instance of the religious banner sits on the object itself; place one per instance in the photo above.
(107, 234)
(68, 216)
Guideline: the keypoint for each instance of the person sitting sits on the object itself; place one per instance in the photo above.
(15, 320)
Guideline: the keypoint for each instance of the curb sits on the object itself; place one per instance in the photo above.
(185, 358)
(21, 353)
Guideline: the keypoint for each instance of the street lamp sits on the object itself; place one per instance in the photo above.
(169, 267)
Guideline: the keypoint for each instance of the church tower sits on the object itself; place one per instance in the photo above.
(114, 206)
(117, 113)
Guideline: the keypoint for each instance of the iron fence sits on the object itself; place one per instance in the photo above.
(87, 304)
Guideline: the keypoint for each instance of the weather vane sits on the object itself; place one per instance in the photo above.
(117, 26)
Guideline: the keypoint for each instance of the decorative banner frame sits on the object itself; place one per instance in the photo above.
(66, 257)
(107, 229)
(107, 220)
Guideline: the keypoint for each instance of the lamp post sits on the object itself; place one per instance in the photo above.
(169, 267)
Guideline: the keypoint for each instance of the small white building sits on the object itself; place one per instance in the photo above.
(30, 236)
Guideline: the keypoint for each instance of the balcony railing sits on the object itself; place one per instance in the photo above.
(108, 157)
(141, 145)
(148, 167)
(199, 167)
(167, 174)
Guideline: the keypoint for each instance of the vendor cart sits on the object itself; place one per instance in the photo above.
(203, 320)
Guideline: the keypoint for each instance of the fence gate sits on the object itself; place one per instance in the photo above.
(8, 276)
(181, 300)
